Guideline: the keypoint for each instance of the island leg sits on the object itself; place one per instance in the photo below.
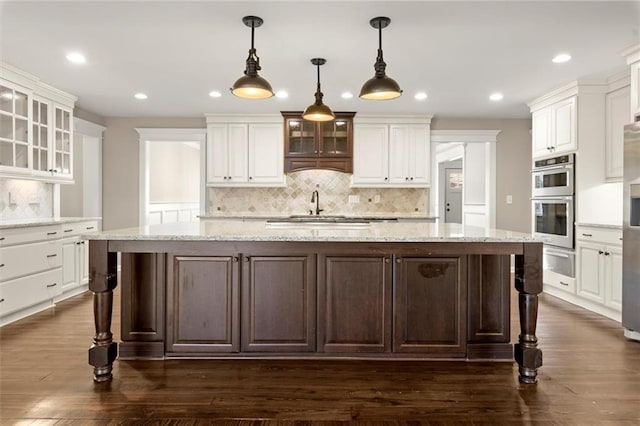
(102, 281)
(528, 282)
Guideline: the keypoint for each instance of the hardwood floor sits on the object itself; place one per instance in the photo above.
(591, 375)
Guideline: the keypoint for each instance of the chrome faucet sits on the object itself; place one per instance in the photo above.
(315, 197)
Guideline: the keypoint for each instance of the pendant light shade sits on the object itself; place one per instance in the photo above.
(318, 111)
(380, 87)
(251, 85)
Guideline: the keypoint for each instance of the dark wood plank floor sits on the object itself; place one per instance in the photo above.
(591, 375)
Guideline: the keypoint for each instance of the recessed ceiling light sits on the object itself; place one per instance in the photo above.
(215, 94)
(76, 58)
(282, 94)
(140, 96)
(562, 57)
(347, 95)
(496, 96)
(421, 96)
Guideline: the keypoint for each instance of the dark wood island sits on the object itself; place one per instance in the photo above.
(234, 288)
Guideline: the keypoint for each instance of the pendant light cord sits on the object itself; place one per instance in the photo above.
(253, 61)
(380, 66)
(319, 94)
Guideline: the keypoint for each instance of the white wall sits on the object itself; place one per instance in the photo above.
(174, 172)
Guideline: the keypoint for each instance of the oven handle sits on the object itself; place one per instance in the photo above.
(556, 253)
(558, 167)
(567, 198)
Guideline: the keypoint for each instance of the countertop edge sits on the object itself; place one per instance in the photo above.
(28, 223)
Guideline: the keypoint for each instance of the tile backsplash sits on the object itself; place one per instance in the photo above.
(335, 197)
(25, 199)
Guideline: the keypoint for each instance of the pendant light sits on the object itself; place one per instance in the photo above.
(380, 87)
(318, 111)
(251, 85)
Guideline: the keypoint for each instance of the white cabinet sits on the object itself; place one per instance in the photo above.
(36, 128)
(554, 128)
(391, 155)
(30, 270)
(75, 257)
(245, 154)
(617, 116)
(632, 55)
(599, 266)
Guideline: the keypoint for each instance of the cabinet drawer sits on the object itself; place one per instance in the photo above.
(28, 259)
(80, 228)
(601, 235)
(10, 237)
(27, 291)
(559, 281)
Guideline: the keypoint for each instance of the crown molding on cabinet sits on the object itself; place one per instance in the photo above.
(465, 136)
(33, 83)
(582, 86)
(631, 53)
(393, 119)
(244, 118)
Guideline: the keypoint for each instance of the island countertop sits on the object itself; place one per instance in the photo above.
(238, 230)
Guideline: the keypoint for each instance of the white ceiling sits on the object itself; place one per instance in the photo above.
(177, 52)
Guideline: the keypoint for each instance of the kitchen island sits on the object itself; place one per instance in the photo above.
(361, 290)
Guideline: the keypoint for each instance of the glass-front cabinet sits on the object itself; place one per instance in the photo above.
(62, 160)
(41, 143)
(14, 128)
(318, 145)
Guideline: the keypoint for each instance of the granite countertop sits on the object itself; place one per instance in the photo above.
(239, 230)
(417, 216)
(599, 225)
(25, 223)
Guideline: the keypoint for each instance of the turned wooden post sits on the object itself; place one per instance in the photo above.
(528, 282)
(102, 281)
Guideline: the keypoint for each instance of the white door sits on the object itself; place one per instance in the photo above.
(453, 195)
(541, 132)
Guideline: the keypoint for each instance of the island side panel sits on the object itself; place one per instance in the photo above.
(102, 281)
(528, 282)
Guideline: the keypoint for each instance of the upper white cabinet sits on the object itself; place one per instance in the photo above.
(618, 107)
(391, 152)
(632, 55)
(36, 128)
(245, 153)
(554, 128)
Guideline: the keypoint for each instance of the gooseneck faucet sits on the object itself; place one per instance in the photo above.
(315, 197)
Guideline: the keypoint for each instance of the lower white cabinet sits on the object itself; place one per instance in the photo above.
(75, 257)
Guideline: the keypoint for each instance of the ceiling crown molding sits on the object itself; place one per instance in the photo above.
(465, 136)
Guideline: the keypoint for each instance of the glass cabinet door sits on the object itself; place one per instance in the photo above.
(335, 137)
(40, 146)
(14, 128)
(62, 131)
(301, 137)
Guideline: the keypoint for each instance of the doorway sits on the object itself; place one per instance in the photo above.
(172, 182)
(453, 182)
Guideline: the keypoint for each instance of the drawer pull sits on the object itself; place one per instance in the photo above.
(90, 227)
(2, 238)
(563, 283)
(68, 230)
(1, 300)
(1, 265)
(80, 242)
(52, 285)
(51, 255)
(587, 235)
(52, 233)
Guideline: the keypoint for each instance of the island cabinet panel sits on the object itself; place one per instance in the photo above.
(430, 295)
(143, 295)
(203, 304)
(354, 303)
(489, 293)
(278, 303)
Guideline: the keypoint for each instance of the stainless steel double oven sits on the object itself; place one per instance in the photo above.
(552, 204)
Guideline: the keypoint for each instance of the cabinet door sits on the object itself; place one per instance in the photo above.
(613, 277)
(300, 137)
(62, 147)
(617, 116)
(83, 258)
(217, 154)
(564, 126)
(541, 132)
(15, 135)
(266, 153)
(399, 143)
(203, 304)
(41, 147)
(354, 304)
(591, 271)
(237, 151)
(419, 158)
(430, 305)
(278, 304)
(371, 147)
(70, 262)
(335, 138)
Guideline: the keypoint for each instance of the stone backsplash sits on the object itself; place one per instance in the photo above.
(25, 199)
(335, 195)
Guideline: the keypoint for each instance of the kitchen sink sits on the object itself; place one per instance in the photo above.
(331, 219)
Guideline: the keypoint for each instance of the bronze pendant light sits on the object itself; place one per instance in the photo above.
(251, 85)
(318, 111)
(380, 87)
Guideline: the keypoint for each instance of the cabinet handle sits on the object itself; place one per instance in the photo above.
(1, 265)
(51, 255)
(600, 252)
(2, 300)
(68, 230)
(2, 238)
(587, 235)
(563, 283)
(52, 285)
(52, 233)
(90, 227)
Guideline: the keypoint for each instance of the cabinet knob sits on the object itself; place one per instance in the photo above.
(410, 178)
(387, 260)
(1, 265)
(606, 253)
(250, 177)
(386, 178)
(406, 178)
(234, 259)
(2, 300)
(600, 252)
(229, 178)
(246, 258)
